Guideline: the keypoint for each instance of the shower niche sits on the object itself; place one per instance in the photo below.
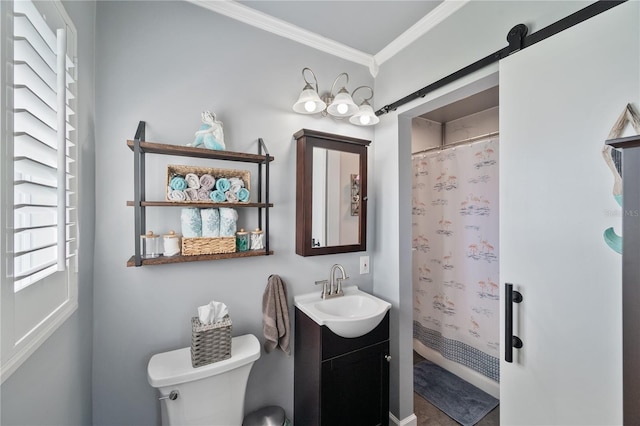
(455, 249)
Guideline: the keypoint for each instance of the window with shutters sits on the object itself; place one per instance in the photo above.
(39, 185)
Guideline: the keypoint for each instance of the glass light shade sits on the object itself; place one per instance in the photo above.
(365, 116)
(309, 102)
(342, 105)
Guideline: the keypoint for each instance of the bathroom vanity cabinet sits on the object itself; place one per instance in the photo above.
(337, 380)
(140, 148)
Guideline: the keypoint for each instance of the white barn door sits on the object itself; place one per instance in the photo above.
(558, 102)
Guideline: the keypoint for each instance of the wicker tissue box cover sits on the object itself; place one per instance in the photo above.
(177, 170)
(210, 342)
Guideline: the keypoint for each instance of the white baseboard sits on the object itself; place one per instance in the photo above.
(411, 420)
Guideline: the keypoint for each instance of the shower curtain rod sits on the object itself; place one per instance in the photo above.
(518, 40)
(455, 144)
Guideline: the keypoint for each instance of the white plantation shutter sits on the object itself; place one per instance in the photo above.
(40, 210)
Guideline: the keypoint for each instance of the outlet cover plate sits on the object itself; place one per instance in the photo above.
(364, 264)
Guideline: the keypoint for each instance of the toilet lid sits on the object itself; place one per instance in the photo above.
(173, 367)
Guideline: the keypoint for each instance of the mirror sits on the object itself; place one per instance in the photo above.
(331, 188)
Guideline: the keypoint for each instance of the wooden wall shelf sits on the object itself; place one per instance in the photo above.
(163, 260)
(140, 147)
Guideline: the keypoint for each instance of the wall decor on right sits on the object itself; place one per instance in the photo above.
(613, 158)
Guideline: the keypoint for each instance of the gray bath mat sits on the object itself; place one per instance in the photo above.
(460, 400)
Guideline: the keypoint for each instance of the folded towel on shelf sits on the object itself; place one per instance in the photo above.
(275, 316)
(177, 195)
(178, 182)
(218, 196)
(193, 181)
(191, 222)
(212, 312)
(210, 222)
(243, 195)
(207, 182)
(223, 184)
(231, 196)
(228, 219)
(192, 194)
(204, 194)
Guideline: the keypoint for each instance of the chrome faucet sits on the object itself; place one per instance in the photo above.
(333, 286)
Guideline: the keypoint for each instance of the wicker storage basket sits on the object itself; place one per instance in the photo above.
(176, 170)
(210, 343)
(208, 245)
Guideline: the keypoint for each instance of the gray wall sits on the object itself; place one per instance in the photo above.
(53, 387)
(166, 62)
(475, 31)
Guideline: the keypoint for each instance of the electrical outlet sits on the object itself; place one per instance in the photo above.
(364, 264)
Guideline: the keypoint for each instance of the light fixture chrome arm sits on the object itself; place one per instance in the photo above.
(341, 104)
(353, 94)
(365, 115)
(333, 86)
(305, 78)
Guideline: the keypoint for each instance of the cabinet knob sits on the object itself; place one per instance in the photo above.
(388, 358)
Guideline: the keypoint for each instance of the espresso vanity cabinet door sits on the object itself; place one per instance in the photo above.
(355, 388)
(340, 381)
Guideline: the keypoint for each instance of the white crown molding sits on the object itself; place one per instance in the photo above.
(420, 28)
(282, 28)
(279, 27)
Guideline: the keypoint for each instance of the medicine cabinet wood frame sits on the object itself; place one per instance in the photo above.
(306, 140)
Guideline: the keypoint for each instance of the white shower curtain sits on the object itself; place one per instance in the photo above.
(455, 254)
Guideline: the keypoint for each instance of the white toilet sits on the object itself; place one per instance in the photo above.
(209, 395)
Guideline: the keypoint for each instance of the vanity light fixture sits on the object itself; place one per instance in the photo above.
(340, 105)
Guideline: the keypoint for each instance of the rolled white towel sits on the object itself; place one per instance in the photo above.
(192, 194)
(203, 194)
(207, 181)
(231, 196)
(193, 181)
(177, 195)
(236, 184)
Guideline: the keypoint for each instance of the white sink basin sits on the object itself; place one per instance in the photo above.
(352, 315)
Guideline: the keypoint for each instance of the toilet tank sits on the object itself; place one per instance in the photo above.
(209, 395)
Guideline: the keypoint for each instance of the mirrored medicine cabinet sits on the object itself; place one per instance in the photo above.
(331, 193)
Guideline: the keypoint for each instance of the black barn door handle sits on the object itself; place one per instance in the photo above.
(510, 341)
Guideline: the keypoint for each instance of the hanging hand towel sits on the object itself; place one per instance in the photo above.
(275, 316)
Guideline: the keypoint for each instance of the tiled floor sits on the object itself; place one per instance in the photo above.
(429, 415)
